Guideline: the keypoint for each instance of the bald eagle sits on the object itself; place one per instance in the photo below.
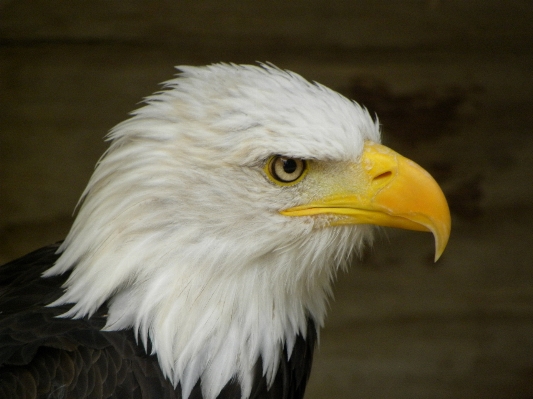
(201, 259)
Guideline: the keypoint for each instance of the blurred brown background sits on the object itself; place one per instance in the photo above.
(452, 84)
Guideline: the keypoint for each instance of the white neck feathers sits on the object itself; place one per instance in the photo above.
(180, 232)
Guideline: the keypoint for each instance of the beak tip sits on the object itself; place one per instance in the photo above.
(441, 239)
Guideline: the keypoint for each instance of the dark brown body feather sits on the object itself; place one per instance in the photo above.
(43, 356)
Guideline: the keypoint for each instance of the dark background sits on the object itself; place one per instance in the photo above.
(452, 84)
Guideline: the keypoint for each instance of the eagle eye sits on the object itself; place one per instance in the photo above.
(286, 170)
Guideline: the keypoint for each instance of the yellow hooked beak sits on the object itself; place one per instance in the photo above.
(388, 190)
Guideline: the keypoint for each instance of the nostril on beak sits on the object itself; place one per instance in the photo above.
(383, 176)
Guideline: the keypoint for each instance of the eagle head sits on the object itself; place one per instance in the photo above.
(216, 221)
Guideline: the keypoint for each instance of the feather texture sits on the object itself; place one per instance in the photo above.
(179, 236)
(43, 356)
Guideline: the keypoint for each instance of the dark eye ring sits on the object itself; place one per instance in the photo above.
(286, 169)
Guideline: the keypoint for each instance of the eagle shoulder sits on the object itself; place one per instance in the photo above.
(43, 355)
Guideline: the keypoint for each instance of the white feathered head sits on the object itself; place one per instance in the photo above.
(217, 219)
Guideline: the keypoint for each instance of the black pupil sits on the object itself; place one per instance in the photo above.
(289, 166)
